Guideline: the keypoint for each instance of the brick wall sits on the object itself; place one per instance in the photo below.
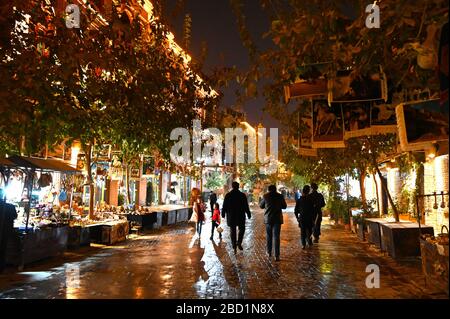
(436, 180)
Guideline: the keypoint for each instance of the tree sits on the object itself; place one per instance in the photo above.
(215, 181)
(116, 82)
(305, 33)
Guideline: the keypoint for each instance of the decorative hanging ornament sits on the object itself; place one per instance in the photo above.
(442, 202)
(435, 206)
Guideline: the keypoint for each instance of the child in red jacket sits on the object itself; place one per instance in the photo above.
(215, 221)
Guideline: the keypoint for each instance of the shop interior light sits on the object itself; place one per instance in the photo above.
(74, 155)
(13, 191)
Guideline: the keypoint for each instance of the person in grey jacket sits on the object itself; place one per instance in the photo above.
(273, 203)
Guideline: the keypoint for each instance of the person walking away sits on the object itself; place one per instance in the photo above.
(304, 212)
(215, 221)
(199, 215)
(318, 203)
(273, 203)
(7, 216)
(235, 207)
(212, 201)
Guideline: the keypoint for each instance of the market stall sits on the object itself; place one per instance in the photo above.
(41, 229)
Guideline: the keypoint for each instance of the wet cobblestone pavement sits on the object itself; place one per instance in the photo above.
(174, 263)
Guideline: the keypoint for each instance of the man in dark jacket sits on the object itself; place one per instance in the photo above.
(212, 201)
(318, 202)
(273, 203)
(7, 216)
(235, 207)
(304, 211)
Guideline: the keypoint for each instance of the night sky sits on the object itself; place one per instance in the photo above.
(214, 22)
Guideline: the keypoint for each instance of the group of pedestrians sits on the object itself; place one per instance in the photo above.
(235, 209)
(308, 211)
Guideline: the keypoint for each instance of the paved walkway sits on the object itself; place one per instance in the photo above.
(174, 263)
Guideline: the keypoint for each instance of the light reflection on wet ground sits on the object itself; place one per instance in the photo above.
(175, 263)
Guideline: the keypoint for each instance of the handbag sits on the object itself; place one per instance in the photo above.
(194, 217)
(219, 229)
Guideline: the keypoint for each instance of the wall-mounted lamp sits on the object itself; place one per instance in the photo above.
(431, 153)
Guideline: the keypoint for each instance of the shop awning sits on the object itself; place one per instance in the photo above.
(41, 164)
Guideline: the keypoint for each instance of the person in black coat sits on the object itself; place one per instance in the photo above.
(318, 203)
(304, 211)
(212, 201)
(273, 203)
(235, 207)
(7, 216)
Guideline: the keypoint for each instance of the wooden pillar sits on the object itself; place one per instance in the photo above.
(160, 187)
(142, 191)
(113, 198)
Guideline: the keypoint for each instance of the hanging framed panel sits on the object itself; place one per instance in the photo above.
(328, 125)
(343, 88)
(306, 89)
(383, 119)
(305, 135)
(148, 165)
(368, 118)
(102, 153)
(421, 124)
(356, 119)
(311, 82)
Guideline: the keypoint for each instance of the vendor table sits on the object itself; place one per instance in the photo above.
(183, 214)
(168, 214)
(78, 236)
(145, 220)
(374, 232)
(402, 239)
(109, 233)
(37, 244)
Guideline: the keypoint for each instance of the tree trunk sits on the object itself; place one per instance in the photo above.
(160, 187)
(383, 183)
(378, 197)
(88, 149)
(127, 177)
(385, 188)
(362, 186)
